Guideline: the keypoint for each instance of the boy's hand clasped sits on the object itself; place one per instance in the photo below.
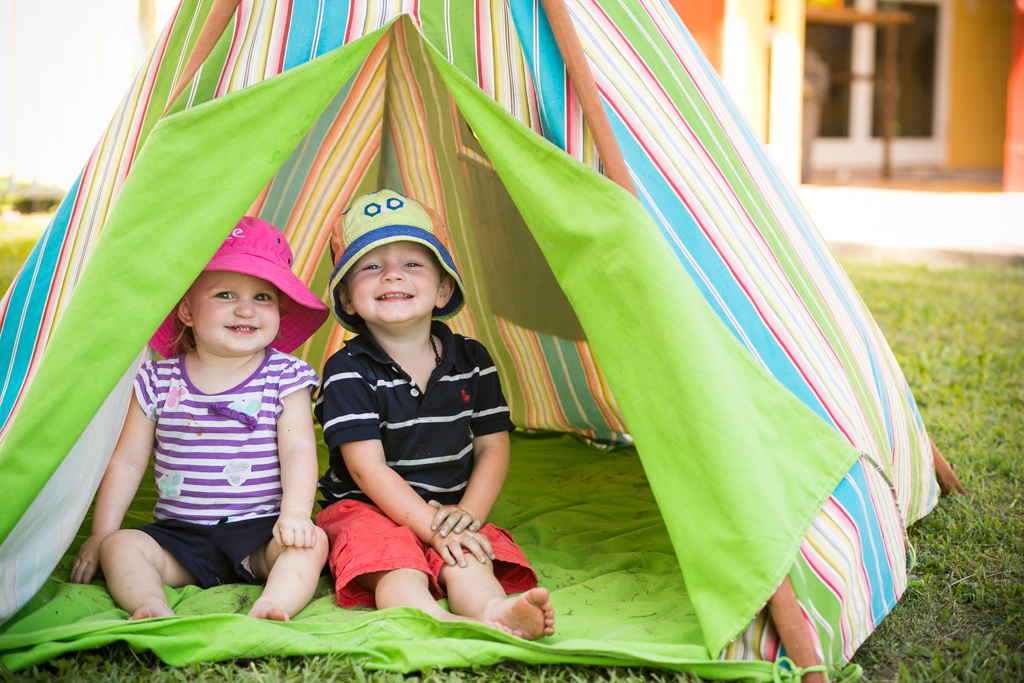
(453, 518)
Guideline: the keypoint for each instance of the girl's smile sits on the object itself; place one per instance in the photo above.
(231, 314)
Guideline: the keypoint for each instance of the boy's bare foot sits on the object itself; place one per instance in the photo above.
(528, 616)
(269, 612)
(151, 611)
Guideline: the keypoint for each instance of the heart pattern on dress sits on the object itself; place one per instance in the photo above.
(237, 471)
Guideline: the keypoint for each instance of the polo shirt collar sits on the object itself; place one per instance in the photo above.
(365, 345)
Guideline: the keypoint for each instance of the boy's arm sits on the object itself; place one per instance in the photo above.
(296, 446)
(366, 463)
(117, 489)
(491, 455)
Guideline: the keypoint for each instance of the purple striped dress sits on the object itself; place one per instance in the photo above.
(216, 455)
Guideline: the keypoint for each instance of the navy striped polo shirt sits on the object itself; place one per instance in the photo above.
(427, 435)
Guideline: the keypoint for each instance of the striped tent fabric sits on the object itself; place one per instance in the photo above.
(720, 203)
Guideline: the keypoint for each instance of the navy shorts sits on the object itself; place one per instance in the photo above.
(214, 553)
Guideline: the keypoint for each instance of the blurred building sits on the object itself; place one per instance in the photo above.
(953, 68)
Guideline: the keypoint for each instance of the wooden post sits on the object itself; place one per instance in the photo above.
(948, 481)
(789, 622)
(586, 91)
(213, 28)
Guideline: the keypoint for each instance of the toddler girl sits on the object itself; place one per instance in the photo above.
(229, 415)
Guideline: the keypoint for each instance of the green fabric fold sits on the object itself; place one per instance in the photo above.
(738, 464)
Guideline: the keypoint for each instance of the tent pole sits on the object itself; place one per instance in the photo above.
(789, 622)
(948, 481)
(582, 79)
(213, 28)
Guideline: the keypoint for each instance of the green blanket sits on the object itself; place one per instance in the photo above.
(585, 518)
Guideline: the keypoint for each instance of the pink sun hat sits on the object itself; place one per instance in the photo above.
(257, 248)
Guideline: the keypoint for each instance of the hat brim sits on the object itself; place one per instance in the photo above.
(386, 235)
(303, 315)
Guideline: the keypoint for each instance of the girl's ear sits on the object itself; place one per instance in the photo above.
(184, 312)
(445, 290)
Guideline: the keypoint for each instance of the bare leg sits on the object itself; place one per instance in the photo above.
(406, 588)
(137, 569)
(292, 574)
(474, 592)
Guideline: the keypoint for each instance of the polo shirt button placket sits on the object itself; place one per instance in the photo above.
(415, 392)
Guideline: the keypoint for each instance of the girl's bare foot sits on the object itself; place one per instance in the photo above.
(151, 611)
(268, 611)
(528, 616)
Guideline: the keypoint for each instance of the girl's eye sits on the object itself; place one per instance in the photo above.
(264, 297)
(225, 295)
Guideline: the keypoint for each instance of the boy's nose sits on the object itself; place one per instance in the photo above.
(393, 271)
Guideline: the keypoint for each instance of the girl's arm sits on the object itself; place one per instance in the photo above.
(296, 446)
(117, 488)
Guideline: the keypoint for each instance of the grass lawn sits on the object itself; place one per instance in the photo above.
(16, 241)
(959, 336)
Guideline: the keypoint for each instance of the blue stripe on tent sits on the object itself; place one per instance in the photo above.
(854, 496)
(303, 30)
(546, 65)
(811, 239)
(25, 308)
(284, 193)
(715, 281)
(333, 23)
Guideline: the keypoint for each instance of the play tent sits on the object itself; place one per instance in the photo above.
(700, 327)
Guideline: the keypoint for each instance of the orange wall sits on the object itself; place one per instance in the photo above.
(704, 19)
(980, 68)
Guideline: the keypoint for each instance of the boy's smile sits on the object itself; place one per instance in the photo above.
(395, 284)
(231, 314)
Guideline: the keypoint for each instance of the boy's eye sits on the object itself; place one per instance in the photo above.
(413, 264)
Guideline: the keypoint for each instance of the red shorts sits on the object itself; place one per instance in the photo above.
(365, 540)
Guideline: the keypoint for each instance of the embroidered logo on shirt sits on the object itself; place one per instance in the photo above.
(465, 396)
(237, 471)
(175, 394)
(169, 486)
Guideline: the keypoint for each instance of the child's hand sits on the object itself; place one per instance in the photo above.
(451, 548)
(87, 561)
(452, 517)
(295, 529)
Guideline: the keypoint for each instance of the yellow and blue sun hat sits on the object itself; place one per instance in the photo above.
(380, 218)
